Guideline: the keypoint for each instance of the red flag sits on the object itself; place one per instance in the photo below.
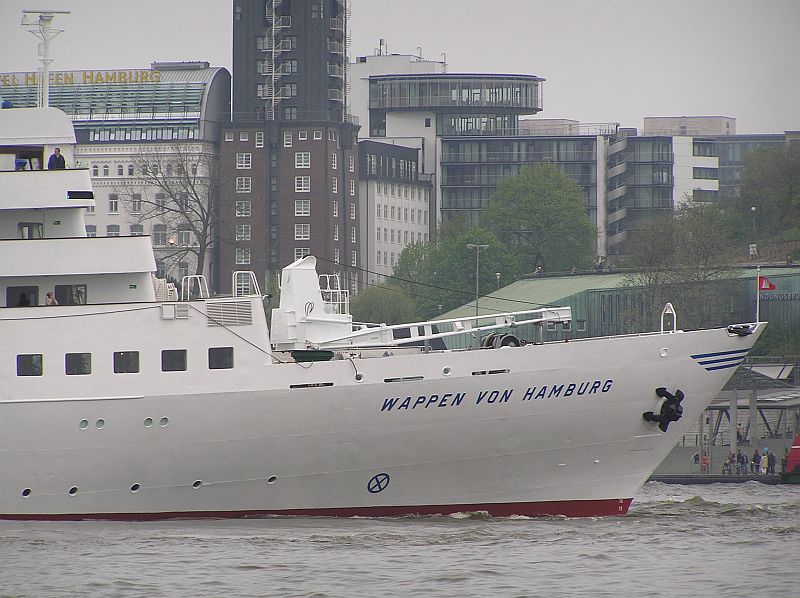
(765, 284)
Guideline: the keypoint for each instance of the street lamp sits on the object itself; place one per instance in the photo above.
(477, 249)
(753, 246)
(497, 275)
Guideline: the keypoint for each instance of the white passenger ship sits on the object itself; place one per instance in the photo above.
(125, 402)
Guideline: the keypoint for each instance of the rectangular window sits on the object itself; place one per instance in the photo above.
(290, 113)
(378, 231)
(136, 203)
(302, 184)
(413, 212)
(112, 230)
(393, 213)
(126, 362)
(301, 252)
(302, 232)
(336, 256)
(287, 139)
(243, 232)
(335, 185)
(137, 230)
(228, 135)
(302, 135)
(29, 365)
(317, 135)
(173, 360)
(243, 136)
(113, 203)
(302, 207)
(244, 160)
(580, 325)
(352, 211)
(353, 235)
(159, 235)
(352, 163)
(335, 209)
(77, 364)
(184, 237)
(302, 160)
(353, 258)
(259, 140)
(405, 214)
(392, 231)
(91, 230)
(352, 187)
(243, 209)
(333, 162)
(377, 210)
(335, 232)
(220, 358)
(244, 184)
(242, 256)
(378, 258)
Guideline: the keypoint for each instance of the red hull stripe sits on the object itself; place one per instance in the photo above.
(566, 508)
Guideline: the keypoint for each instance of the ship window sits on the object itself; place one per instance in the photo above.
(126, 362)
(220, 358)
(30, 230)
(71, 294)
(77, 364)
(173, 360)
(29, 365)
(22, 296)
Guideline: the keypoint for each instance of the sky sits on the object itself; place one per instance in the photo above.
(603, 60)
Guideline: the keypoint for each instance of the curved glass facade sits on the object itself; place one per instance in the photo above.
(520, 94)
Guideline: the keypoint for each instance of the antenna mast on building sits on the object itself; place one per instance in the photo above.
(40, 24)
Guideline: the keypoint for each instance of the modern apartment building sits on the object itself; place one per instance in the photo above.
(289, 154)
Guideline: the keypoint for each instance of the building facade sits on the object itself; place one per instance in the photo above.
(145, 135)
(395, 205)
(289, 154)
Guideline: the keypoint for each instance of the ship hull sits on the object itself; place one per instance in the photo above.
(553, 429)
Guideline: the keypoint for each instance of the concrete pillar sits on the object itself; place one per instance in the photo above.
(754, 439)
(734, 413)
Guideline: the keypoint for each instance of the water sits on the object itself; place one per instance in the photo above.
(720, 539)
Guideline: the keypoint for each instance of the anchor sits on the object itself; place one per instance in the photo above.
(671, 409)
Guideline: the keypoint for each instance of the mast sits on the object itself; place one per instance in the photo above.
(42, 27)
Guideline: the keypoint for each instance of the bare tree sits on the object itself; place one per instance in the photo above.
(176, 189)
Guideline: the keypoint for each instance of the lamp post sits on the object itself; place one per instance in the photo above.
(753, 246)
(497, 275)
(477, 249)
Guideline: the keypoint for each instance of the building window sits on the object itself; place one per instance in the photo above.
(301, 252)
(113, 203)
(29, 365)
(333, 161)
(352, 187)
(243, 232)
(302, 184)
(228, 135)
(392, 231)
(302, 232)
(378, 258)
(95, 171)
(317, 135)
(289, 90)
(352, 211)
(243, 184)
(112, 230)
(290, 66)
(242, 256)
(243, 136)
(243, 209)
(353, 258)
(173, 360)
(105, 170)
(336, 256)
(405, 215)
(290, 113)
(77, 364)
(160, 235)
(335, 232)
(302, 160)
(335, 185)
(126, 362)
(244, 160)
(378, 233)
(137, 230)
(353, 235)
(335, 209)
(220, 358)
(427, 122)
(259, 143)
(302, 135)
(352, 163)
(184, 236)
(287, 139)
(392, 212)
(302, 207)
(377, 210)
(120, 170)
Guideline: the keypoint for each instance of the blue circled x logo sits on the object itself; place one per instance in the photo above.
(378, 483)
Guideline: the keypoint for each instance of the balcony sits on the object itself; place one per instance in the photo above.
(336, 95)
(337, 24)
(336, 48)
(334, 70)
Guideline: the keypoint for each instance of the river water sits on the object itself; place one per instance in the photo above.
(720, 540)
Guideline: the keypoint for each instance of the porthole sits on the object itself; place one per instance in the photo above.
(99, 424)
(447, 370)
(197, 484)
(84, 424)
(359, 377)
(72, 491)
(663, 352)
(148, 421)
(272, 479)
(163, 422)
(135, 488)
(26, 493)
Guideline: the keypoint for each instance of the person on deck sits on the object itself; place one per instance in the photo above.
(56, 161)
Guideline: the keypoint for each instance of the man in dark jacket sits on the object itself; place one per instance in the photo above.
(56, 161)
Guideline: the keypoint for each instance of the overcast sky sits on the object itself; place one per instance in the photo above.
(604, 60)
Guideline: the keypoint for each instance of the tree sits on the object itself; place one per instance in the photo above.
(686, 258)
(177, 190)
(539, 213)
(442, 277)
(383, 304)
